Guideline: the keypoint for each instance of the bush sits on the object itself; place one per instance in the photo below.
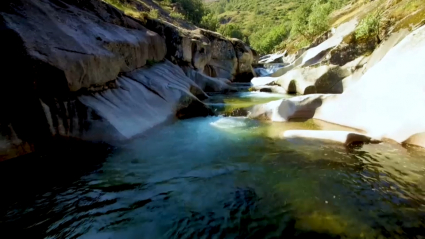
(300, 20)
(210, 22)
(154, 13)
(231, 30)
(318, 21)
(368, 27)
(311, 20)
(177, 15)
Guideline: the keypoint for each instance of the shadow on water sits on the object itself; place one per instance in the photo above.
(24, 180)
(217, 177)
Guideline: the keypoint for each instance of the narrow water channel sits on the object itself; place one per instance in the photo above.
(228, 177)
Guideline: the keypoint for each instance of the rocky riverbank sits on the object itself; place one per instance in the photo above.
(381, 93)
(84, 70)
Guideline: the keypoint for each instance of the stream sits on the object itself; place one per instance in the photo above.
(223, 177)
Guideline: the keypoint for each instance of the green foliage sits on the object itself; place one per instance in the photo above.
(311, 20)
(300, 20)
(127, 9)
(177, 15)
(154, 13)
(194, 10)
(231, 30)
(266, 40)
(369, 26)
(210, 22)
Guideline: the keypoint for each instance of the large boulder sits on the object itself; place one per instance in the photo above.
(138, 102)
(224, 61)
(206, 51)
(245, 57)
(389, 98)
(310, 80)
(300, 107)
(313, 79)
(79, 70)
(184, 47)
(75, 48)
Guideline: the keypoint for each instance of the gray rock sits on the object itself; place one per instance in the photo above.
(87, 43)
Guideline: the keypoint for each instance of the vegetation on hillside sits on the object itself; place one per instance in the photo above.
(193, 10)
(271, 25)
(266, 24)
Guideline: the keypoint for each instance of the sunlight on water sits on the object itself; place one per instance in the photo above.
(230, 122)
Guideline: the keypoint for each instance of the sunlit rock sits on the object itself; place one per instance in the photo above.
(345, 137)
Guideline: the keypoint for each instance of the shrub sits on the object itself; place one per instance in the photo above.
(177, 15)
(368, 27)
(154, 13)
(231, 30)
(210, 22)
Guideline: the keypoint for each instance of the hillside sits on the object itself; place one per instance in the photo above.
(273, 25)
(277, 25)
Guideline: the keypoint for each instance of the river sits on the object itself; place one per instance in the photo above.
(221, 177)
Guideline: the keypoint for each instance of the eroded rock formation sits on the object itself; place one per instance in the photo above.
(383, 96)
(84, 70)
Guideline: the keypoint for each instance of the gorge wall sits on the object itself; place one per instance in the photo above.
(83, 70)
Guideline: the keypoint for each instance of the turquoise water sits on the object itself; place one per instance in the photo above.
(229, 177)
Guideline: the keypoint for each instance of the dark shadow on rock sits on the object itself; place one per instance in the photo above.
(210, 71)
(310, 90)
(267, 90)
(195, 109)
(292, 87)
(318, 58)
(243, 77)
(331, 82)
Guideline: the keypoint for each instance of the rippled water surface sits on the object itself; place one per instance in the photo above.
(226, 177)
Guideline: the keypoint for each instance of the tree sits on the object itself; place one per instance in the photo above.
(194, 10)
(300, 20)
(231, 30)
